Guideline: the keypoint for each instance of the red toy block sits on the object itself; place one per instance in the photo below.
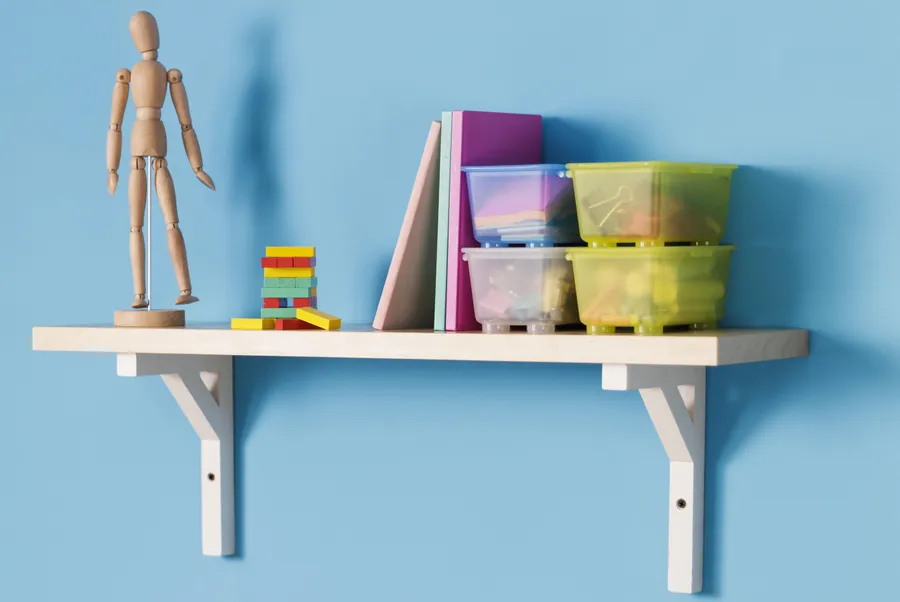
(305, 302)
(292, 324)
(284, 262)
(271, 303)
(304, 262)
(269, 262)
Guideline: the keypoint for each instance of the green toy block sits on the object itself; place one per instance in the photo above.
(286, 293)
(306, 282)
(280, 282)
(281, 312)
(290, 282)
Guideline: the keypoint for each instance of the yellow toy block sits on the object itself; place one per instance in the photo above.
(318, 318)
(290, 251)
(289, 272)
(252, 324)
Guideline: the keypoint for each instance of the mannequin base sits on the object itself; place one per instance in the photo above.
(154, 318)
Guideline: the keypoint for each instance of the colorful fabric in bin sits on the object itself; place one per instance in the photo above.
(522, 204)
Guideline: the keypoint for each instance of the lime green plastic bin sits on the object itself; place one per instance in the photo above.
(651, 203)
(650, 288)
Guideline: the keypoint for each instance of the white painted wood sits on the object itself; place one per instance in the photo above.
(710, 348)
(672, 422)
(203, 388)
(622, 377)
(217, 459)
(197, 403)
(151, 364)
(675, 398)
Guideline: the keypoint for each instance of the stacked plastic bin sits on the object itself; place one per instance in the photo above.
(520, 276)
(654, 259)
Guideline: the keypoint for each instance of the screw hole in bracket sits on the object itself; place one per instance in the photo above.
(681, 504)
(211, 477)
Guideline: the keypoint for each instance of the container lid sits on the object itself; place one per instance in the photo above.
(517, 252)
(534, 167)
(658, 165)
(640, 252)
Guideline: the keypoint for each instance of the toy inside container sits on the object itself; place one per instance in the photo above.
(530, 205)
(651, 203)
(534, 288)
(649, 289)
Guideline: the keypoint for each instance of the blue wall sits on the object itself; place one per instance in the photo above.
(413, 481)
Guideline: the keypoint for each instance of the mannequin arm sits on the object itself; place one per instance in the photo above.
(114, 136)
(188, 135)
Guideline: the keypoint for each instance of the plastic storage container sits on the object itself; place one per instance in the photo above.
(649, 288)
(532, 205)
(651, 203)
(534, 288)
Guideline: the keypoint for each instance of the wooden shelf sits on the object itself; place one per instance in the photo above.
(668, 371)
(712, 348)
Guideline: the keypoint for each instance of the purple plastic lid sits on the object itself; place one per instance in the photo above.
(535, 167)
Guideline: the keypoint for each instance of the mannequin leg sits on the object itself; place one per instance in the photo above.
(165, 189)
(137, 203)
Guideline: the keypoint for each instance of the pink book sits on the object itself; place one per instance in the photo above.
(407, 300)
(479, 138)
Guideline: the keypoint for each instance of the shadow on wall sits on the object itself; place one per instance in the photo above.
(259, 209)
(259, 193)
(744, 400)
(578, 140)
(783, 275)
(774, 219)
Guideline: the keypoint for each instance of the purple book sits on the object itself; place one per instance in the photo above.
(479, 138)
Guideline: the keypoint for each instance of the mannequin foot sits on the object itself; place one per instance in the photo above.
(139, 302)
(186, 298)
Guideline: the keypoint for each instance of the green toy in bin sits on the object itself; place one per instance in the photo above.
(650, 288)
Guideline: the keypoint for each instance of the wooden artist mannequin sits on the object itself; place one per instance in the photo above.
(148, 80)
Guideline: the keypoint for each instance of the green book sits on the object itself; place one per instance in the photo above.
(443, 224)
(287, 293)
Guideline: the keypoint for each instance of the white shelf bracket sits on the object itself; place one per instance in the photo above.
(675, 397)
(203, 388)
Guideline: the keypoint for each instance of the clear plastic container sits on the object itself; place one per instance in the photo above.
(532, 205)
(650, 288)
(651, 203)
(534, 288)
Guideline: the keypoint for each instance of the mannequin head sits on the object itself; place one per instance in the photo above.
(145, 33)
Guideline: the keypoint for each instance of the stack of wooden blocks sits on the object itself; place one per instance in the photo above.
(289, 293)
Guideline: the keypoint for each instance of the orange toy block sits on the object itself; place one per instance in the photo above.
(292, 324)
(305, 301)
(318, 318)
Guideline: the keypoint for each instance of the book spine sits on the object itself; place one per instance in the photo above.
(455, 226)
(443, 223)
